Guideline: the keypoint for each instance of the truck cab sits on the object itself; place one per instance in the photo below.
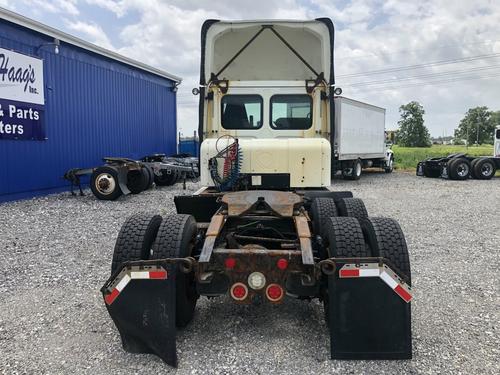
(269, 84)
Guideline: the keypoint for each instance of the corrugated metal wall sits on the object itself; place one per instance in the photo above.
(94, 107)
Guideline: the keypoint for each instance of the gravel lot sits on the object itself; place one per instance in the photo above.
(56, 254)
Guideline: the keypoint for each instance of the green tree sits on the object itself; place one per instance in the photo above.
(412, 131)
(477, 126)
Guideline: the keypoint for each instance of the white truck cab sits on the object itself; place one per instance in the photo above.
(270, 85)
(267, 83)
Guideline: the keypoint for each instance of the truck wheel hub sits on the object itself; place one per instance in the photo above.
(105, 183)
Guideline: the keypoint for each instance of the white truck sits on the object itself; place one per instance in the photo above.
(271, 86)
(359, 138)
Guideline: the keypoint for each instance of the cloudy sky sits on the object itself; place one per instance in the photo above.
(444, 54)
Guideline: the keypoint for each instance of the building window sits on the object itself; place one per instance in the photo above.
(291, 112)
(241, 111)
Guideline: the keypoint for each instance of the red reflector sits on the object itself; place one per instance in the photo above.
(282, 264)
(111, 297)
(403, 293)
(349, 273)
(239, 291)
(157, 275)
(230, 262)
(274, 292)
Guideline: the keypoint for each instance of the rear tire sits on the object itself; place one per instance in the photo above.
(165, 178)
(352, 207)
(137, 180)
(459, 169)
(104, 183)
(483, 169)
(135, 239)
(151, 175)
(175, 240)
(344, 239)
(386, 239)
(357, 168)
(322, 209)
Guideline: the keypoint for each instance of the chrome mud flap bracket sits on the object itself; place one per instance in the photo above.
(369, 311)
(140, 298)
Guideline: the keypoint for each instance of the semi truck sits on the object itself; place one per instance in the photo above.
(266, 225)
(461, 166)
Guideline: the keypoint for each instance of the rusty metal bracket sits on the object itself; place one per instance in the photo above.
(213, 231)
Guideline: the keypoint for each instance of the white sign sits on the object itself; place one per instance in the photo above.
(21, 77)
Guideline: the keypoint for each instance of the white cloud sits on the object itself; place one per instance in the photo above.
(91, 32)
(55, 6)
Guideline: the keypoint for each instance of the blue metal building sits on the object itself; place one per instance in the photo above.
(96, 104)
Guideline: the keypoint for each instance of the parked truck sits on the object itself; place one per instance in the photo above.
(266, 225)
(359, 139)
(461, 166)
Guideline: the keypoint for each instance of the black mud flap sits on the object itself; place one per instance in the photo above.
(140, 299)
(369, 313)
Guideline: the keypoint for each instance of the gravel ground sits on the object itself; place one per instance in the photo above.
(56, 253)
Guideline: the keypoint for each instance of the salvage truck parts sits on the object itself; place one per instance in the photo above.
(265, 227)
(462, 166)
(121, 176)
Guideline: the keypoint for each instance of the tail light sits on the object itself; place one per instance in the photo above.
(274, 292)
(282, 264)
(239, 291)
(230, 263)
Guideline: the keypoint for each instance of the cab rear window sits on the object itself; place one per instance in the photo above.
(241, 112)
(291, 112)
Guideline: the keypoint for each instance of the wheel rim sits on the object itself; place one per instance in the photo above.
(358, 169)
(105, 184)
(463, 170)
(486, 169)
(391, 164)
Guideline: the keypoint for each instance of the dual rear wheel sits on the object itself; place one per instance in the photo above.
(347, 231)
(146, 236)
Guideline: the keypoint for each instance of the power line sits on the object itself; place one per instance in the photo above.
(384, 54)
(419, 66)
(431, 83)
(430, 75)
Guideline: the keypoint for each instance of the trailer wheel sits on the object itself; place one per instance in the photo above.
(386, 239)
(352, 207)
(322, 209)
(135, 239)
(357, 168)
(137, 180)
(459, 169)
(151, 175)
(164, 178)
(175, 239)
(483, 169)
(104, 183)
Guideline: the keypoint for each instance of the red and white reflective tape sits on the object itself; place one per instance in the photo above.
(124, 278)
(383, 272)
